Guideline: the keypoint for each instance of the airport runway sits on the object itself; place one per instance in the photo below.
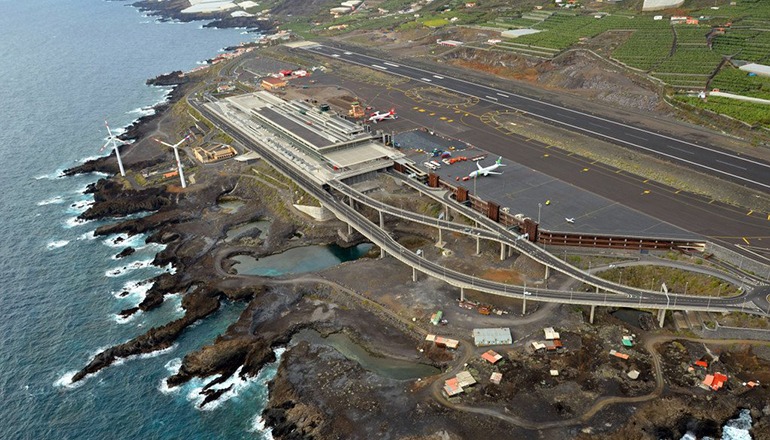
(744, 170)
(722, 223)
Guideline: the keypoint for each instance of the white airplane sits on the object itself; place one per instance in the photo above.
(377, 116)
(570, 220)
(485, 171)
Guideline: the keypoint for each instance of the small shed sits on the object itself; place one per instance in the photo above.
(618, 354)
(465, 379)
(550, 333)
(554, 373)
(452, 387)
(491, 356)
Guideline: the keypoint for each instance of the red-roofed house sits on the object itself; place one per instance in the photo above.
(491, 357)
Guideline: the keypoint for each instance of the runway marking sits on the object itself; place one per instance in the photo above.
(638, 137)
(438, 76)
(443, 118)
(425, 79)
(415, 108)
(711, 201)
(431, 114)
(458, 111)
(618, 171)
(422, 110)
(595, 125)
(731, 164)
(390, 64)
(677, 191)
(645, 180)
(751, 211)
(646, 191)
(585, 170)
(594, 162)
(491, 97)
(379, 67)
(565, 116)
(548, 155)
(543, 116)
(744, 239)
(450, 120)
(502, 94)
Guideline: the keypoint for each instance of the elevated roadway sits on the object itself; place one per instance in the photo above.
(614, 295)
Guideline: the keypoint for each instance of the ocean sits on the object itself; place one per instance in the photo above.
(66, 67)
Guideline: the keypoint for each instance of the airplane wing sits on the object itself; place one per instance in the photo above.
(493, 172)
(478, 165)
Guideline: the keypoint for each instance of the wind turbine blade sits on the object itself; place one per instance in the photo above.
(162, 143)
(108, 129)
(104, 146)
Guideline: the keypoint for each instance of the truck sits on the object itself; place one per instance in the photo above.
(435, 318)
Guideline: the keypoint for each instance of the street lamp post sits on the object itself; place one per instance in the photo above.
(539, 205)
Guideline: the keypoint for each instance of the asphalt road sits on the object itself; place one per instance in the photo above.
(613, 295)
(721, 223)
(750, 172)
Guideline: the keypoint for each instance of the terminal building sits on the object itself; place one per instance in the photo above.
(323, 145)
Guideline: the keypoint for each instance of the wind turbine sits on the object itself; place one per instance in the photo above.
(112, 139)
(176, 153)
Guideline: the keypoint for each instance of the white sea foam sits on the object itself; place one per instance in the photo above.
(57, 244)
(87, 236)
(120, 271)
(66, 381)
(89, 158)
(123, 240)
(58, 174)
(258, 425)
(738, 428)
(136, 290)
(74, 221)
(126, 319)
(80, 207)
(142, 111)
(51, 201)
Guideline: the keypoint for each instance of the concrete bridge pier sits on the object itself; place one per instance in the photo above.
(547, 272)
(502, 251)
(350, 230)
(414, 275)
(382, 220)
(440, 236)
(524, 306)
(462, 293)
(591, 316)
(661, 317)
(478, 245)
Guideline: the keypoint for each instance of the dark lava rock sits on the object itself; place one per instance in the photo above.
(125, 252)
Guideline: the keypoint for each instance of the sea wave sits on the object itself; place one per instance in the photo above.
(258, 425)
(80, 207)
(120, 271)
(51, 201)
(126, 319)
(124, 240)
(74, 222)
(134, 289)
(87, 236)
(57, 244)
(58, 174)
(66, 381)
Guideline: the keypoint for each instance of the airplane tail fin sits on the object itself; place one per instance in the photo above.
(500, 161)
(393, 111)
